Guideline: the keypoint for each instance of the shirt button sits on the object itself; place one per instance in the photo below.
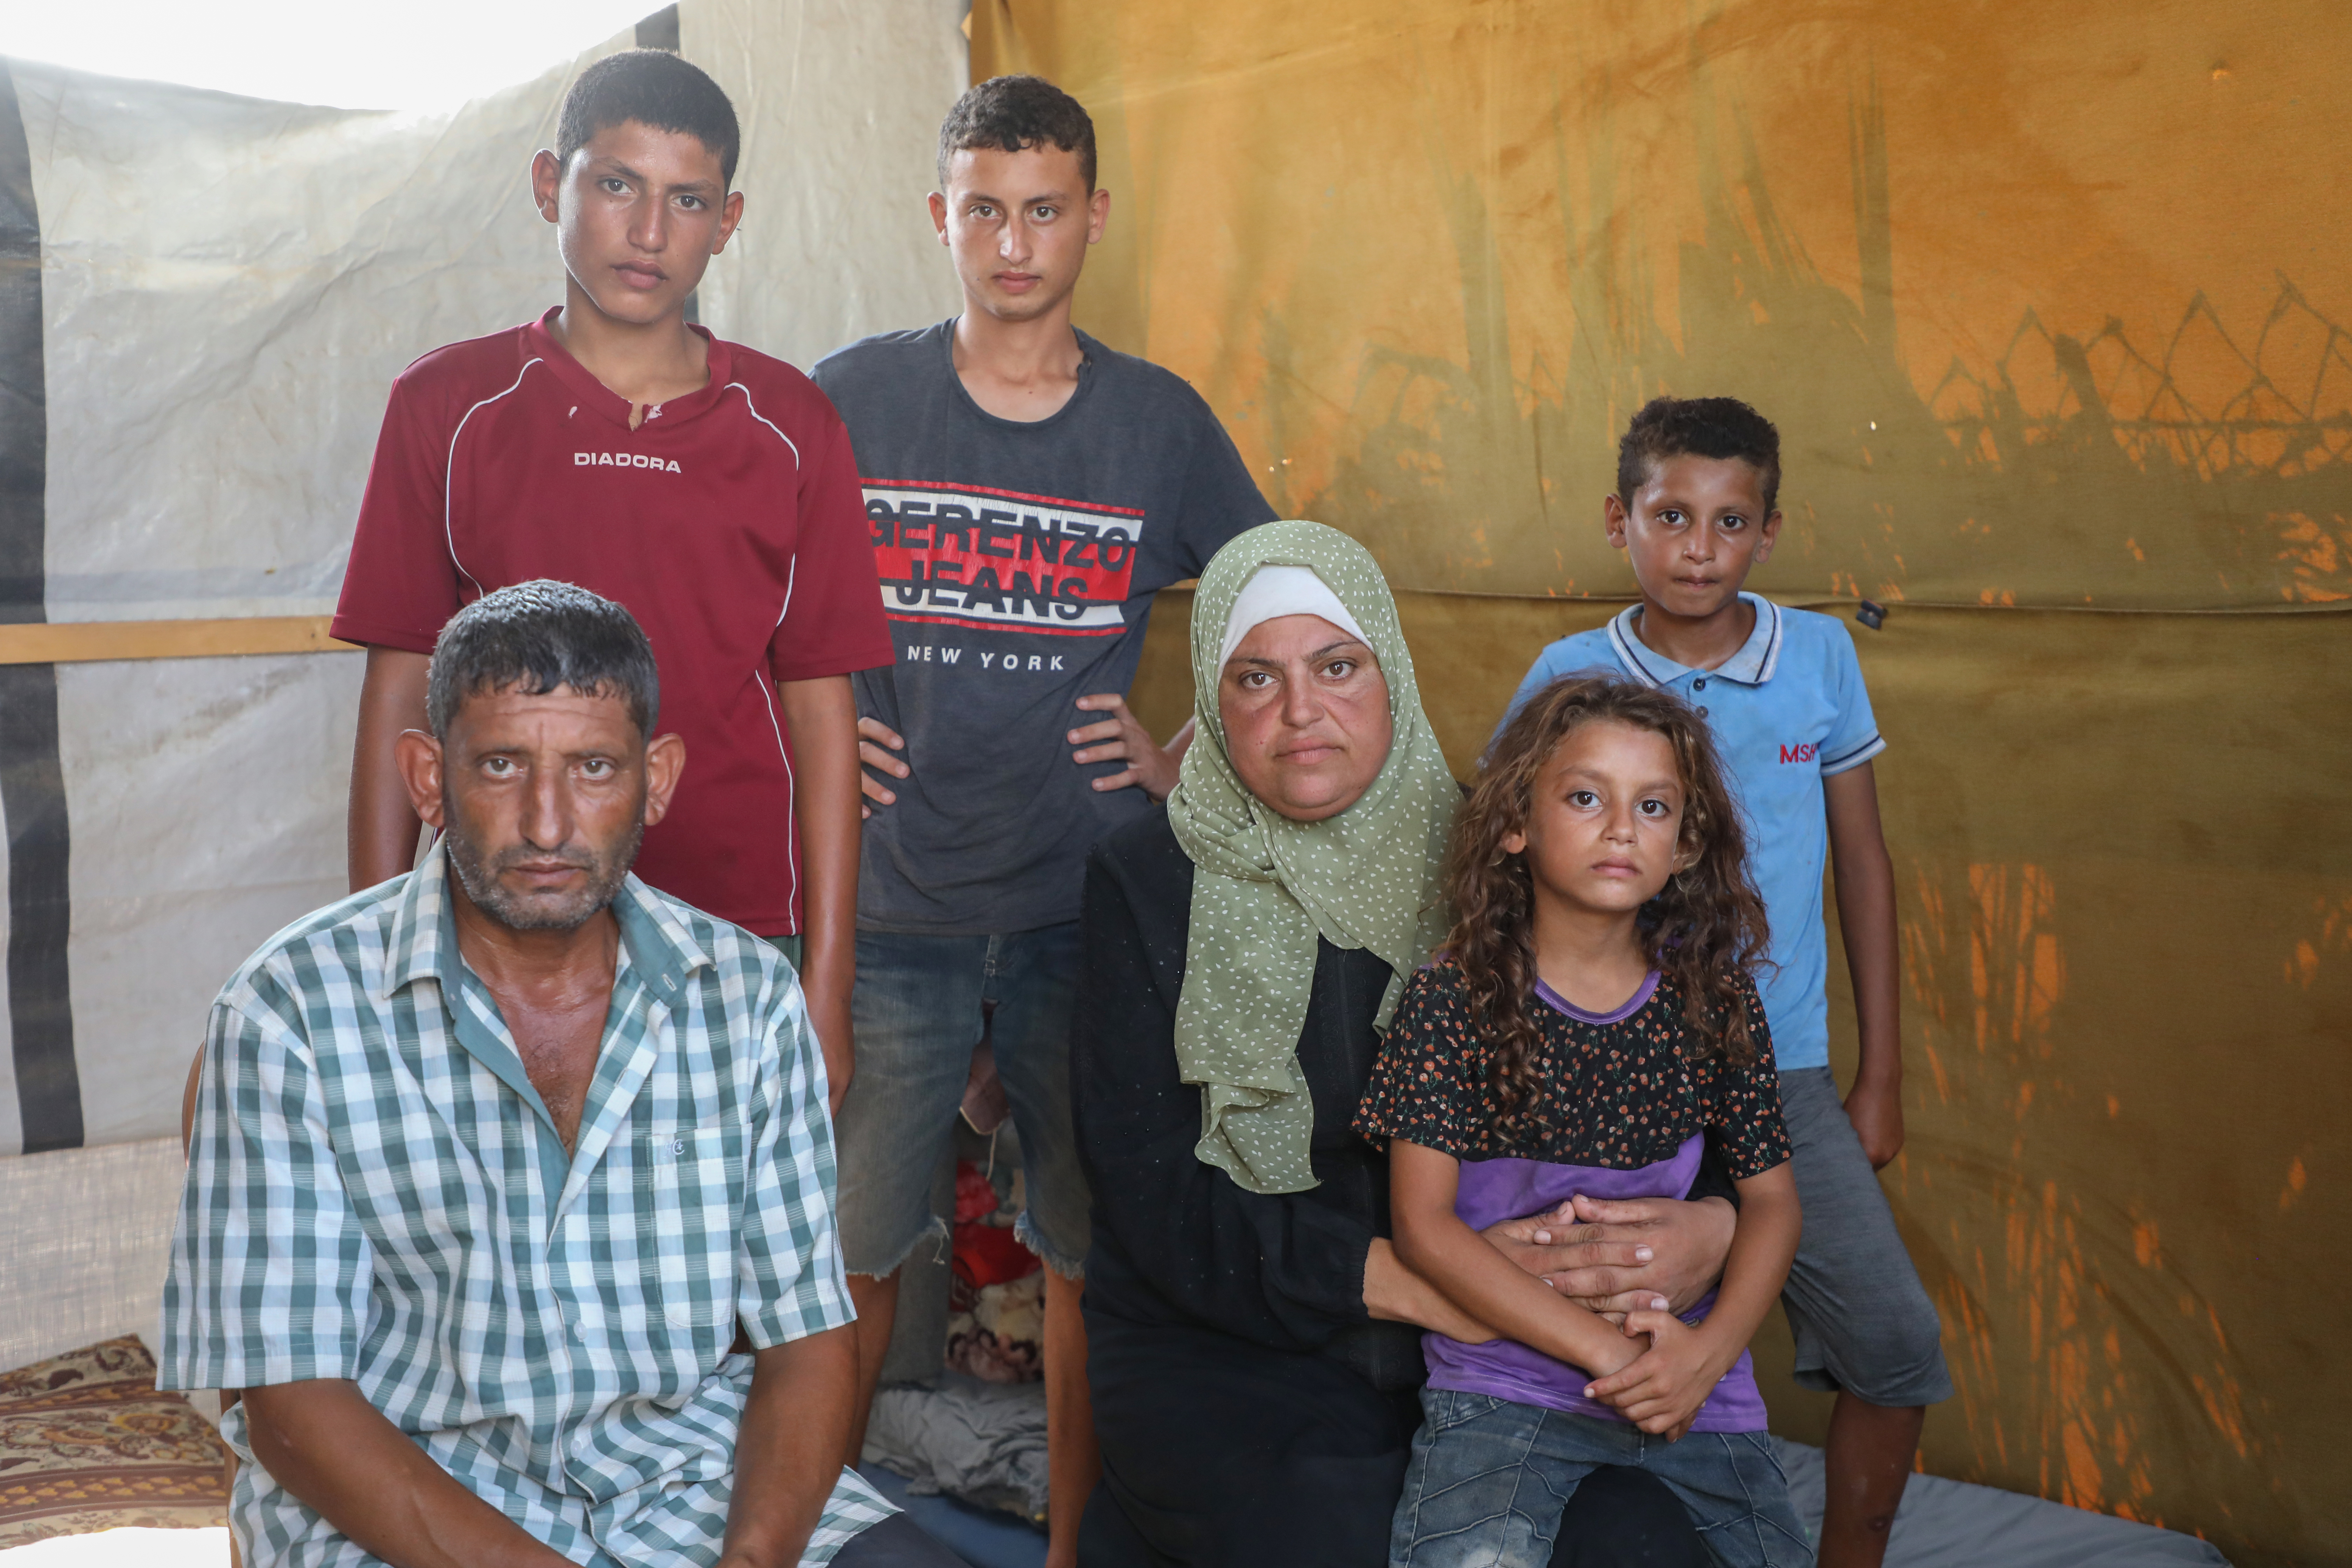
(1700, 684)
(1702, 712)
(677, 1145)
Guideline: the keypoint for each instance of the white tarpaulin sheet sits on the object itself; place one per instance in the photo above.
(225, 289)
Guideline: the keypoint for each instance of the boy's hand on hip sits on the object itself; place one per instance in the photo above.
(1120, 738)
(1663, 1389)
(873, 735)
(1875, 1108)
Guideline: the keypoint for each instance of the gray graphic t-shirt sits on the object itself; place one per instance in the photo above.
(1018, 564)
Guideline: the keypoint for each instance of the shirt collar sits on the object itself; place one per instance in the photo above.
(596, 396)
(422, 938)
(1752, 664)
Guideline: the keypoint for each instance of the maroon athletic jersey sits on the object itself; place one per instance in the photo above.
(730, 522)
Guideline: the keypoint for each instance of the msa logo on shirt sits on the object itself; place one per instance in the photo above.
(624, 460)
(975, 557)
(1803, 751)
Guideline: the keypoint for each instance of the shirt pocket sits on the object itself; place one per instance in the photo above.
(695, 1193)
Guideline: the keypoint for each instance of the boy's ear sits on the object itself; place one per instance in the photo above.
(1614, 520)
(546, 180)
(731, 214)
(1767, 536)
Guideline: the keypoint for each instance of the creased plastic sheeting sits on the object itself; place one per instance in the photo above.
(841, 103)
(229, 287)
(2044, 298)
(85, 1232)
(2125, 905)
(208, 798)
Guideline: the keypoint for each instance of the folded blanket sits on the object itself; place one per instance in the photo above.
(982, 1442)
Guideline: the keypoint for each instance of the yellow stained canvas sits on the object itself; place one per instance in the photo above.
(2051, 305)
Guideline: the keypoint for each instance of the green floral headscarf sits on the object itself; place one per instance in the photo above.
(1267, 887)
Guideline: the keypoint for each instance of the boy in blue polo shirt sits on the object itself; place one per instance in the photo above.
(1695, 509)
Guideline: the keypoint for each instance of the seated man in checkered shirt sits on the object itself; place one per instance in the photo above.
(509, 1197)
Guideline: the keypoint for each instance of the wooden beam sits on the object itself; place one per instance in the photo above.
(82, 642)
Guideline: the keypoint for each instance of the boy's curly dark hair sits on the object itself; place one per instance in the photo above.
(1706, 930)
(1697, 427)
(1013, 114)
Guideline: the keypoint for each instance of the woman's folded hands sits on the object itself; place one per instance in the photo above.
(1619, 1256)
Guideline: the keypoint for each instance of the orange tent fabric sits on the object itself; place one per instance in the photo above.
(2059, 334)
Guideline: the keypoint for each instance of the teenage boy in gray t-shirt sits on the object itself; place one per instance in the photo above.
(1029, 492)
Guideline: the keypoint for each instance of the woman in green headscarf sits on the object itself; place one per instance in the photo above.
(1253, 1342)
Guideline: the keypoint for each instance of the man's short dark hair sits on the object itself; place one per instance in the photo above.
(1697, 427)
(541, 637)
(1014, 114)
(654, 87)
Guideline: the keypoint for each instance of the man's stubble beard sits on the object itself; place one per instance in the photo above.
(480, 879)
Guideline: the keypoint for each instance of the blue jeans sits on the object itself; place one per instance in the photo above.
(1488, 1479)
(918, 1010)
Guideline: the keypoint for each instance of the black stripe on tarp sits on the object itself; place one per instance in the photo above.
(659, 31)
(23, 396)
(32, 781)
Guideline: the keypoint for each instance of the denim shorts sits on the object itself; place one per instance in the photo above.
(1861, 1320)
(1488, 1479)
(920, 1005)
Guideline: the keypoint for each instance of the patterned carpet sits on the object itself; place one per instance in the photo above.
(88, 1442)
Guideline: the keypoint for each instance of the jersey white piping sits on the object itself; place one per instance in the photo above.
(787, 440)
(448, 531)
(767, 691)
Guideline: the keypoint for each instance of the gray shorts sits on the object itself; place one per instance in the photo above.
(1863, 1323)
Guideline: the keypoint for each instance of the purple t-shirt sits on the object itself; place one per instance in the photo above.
(1626, 1064)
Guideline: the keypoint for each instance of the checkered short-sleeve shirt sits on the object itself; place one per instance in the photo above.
(375, 1192)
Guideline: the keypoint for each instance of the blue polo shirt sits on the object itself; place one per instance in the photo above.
(1787, 710)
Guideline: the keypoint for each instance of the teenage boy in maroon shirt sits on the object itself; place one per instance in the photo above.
(706, 487)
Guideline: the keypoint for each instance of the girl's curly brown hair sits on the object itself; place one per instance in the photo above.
(1706, 930)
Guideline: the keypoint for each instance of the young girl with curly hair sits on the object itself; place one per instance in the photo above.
(1591, 1025)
